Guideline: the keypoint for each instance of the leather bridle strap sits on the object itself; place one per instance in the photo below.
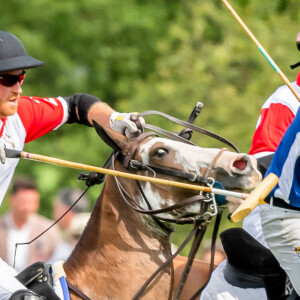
(207, 171)
(199, 234)
(77, 291)
(168, 134)
(213, 249)
(134, 146)
(175, 173)
(167, 262)
(187, 125)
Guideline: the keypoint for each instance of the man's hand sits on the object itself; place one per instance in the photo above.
(126, 123)
(2, 152)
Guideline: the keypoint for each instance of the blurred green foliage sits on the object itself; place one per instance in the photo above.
(138, 55)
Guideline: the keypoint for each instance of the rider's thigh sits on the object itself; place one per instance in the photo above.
(282, 232)
(8, 283)
(252, 224)
(219, 289)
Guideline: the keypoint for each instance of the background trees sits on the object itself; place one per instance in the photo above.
(139, 54)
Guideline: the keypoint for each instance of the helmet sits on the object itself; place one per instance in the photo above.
(13, 55)
(298, 47)
(298, 41)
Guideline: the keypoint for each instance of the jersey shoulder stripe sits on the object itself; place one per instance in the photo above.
(41, 115)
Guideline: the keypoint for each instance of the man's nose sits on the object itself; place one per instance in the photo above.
(17, 88)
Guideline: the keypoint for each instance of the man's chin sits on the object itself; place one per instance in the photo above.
(9, 112)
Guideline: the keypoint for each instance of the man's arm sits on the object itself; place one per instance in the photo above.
(84, 108)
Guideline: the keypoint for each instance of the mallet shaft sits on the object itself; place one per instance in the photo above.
(47, 159)
(261, 49)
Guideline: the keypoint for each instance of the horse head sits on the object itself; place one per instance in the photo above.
(172, 160)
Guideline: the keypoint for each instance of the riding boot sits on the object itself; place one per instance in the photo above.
(280, 288)
(26, 295)
(275, 286)
(293, 296)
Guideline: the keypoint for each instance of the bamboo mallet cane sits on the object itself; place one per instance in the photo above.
(261, 49)
(265, 187)
(47, 159)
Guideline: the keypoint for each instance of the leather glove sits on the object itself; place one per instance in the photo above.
(124, 123)
(2, 152)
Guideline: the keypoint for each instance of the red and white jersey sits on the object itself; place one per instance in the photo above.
(276, 115)
(34, 118)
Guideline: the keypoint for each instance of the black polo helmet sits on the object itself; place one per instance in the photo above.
(13, 55)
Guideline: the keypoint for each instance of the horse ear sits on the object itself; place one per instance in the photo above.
(114, 140)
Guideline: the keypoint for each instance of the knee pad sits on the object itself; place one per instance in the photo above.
(26, 295)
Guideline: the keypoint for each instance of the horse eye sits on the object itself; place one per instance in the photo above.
(161, 152)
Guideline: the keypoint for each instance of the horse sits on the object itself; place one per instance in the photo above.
(121, 247)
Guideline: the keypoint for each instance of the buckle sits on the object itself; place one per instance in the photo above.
(134, 164)
(194, 177)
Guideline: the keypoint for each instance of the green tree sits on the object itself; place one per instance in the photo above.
(138, 55)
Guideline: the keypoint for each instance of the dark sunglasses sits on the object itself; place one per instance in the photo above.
(10, 80)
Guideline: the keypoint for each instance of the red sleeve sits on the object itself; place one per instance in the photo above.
(40, 115)
(273, 123)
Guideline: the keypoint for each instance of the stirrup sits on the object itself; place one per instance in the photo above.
(26, 295)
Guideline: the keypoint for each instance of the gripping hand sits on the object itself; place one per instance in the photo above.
(128, 124)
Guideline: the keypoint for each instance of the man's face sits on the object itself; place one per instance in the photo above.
(9, 96)
(24, 203)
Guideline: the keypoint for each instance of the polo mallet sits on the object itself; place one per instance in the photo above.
(265, 187)
(41, 158)
(261, 49)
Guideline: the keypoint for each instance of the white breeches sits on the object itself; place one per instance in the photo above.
(8, 283)
(219, 289)
(282, 233)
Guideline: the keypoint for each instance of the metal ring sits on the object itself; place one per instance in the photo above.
(212, 181)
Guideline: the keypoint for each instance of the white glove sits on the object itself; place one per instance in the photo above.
(2, 152)
(122, 123)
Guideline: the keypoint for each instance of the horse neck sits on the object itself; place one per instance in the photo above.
(116, 235)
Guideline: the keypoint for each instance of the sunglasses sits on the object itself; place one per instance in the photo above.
(10, 80)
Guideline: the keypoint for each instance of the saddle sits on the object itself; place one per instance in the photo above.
(251, 265)
(38, 278)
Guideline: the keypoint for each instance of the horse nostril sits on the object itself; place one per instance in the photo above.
(240, 164)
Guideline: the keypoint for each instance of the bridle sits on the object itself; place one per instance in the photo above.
(207, 201)
(200, 221)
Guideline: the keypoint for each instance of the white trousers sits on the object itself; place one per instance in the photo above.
(8, 283)
(282, 233)
(219, 289)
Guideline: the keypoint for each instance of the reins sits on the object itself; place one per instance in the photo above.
(186, 125)
(200, 221)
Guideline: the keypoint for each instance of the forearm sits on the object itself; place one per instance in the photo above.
(84, 108)
(100, 112)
